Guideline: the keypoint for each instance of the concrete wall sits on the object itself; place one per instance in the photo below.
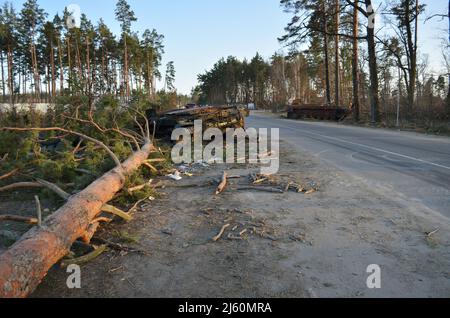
(26, 106)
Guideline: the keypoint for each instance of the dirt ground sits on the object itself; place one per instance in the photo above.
(277, 245)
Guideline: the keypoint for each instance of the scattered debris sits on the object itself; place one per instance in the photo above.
(167, 232)
(113, 270)
(298, 238)
(175, 176)
(134, 207)
(429, 234)
(233, 237)
(263, 189)
(218, 236)
(222, 184)
(288, 186)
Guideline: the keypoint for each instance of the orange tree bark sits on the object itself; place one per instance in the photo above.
(27, 262)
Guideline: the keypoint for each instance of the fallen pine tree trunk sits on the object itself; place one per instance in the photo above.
(26, 263)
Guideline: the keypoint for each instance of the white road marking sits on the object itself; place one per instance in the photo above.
(374, 148)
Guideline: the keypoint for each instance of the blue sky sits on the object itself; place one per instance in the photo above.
(199, 32)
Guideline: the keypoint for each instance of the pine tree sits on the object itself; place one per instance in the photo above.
(152, 44)
(125, 16)
(9, 41)
(108, 47)
(32, 19)
(170, 77)
(404, 47)
(355, 62)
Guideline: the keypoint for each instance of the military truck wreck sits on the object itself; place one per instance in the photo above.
(221, 117)
(299, 110)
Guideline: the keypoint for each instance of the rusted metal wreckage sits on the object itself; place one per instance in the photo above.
(221, 117)
(298, 110)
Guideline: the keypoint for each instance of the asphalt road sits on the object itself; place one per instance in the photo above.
(413, 165)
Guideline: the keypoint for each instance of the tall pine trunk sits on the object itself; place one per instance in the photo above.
(69, 59)
(326, 54)
(10, 75)
(337, 55)
(355, 62)
(373, 64)
(61, 69)
(37, 90)
(103, 72)
(125, 70)
(78, 61)
(52, 63)
(3, 75)
(88, 68)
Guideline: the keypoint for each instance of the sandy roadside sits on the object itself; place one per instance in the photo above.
(294, 245)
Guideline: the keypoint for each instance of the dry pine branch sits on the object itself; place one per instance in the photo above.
(222, 184)
(21, 219)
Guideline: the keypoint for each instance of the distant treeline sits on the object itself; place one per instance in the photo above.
(337, 57)
(42, 58)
